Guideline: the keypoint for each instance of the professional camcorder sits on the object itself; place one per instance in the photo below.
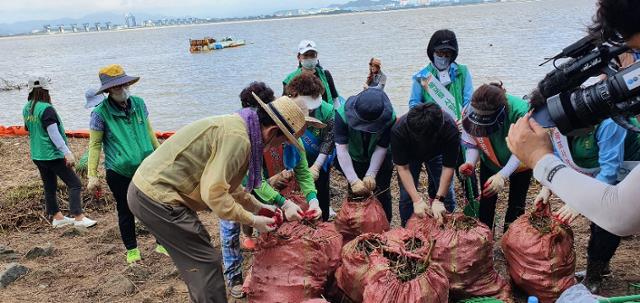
(572, 108)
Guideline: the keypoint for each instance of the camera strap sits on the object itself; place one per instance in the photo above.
(561, 145)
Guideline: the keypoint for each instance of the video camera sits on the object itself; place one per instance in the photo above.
(572, 108)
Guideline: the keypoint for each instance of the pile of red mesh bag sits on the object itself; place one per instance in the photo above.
(540, 255)
(359, 216)
(464, 249)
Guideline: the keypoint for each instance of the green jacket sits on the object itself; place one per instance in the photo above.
(357, 151)
(42, 148)
(456, 88)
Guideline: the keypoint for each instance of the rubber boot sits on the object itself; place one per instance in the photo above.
(605, 273)
(593, 278)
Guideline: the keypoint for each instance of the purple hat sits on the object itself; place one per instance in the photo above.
(112, 76)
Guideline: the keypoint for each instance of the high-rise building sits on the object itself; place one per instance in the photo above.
(423, 2)
(130, 20)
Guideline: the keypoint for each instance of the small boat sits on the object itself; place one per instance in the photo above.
(208, 44)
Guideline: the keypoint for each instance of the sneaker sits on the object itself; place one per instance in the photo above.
(248, 244)
(65, 221)
(332, 214)
(161, 250)
(133, 256)
(85, 222)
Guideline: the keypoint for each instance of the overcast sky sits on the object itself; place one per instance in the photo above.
(25, 10)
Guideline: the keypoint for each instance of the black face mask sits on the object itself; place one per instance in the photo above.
(479, 123)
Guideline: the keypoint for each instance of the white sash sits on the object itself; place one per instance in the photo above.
(625, 168)
(562, 146)
(442, 96)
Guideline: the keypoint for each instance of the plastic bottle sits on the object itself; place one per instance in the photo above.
(532, 299)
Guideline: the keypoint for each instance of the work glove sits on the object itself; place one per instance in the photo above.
(369, 183)
(466, 169)
(566, 214)
(70, 159)
(314, 208)
(292, 212)
(280, 179)
(493, 186)
(438, 210)
(263, 224)
(542, 198)
(315, 172)
(420, 208)
(94, 184)
(359, 188)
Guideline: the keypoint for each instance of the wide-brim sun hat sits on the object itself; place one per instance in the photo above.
(369, 111)
(38, 82)
(92, 98)
(289, 118)
(482, 123)
(112, 76)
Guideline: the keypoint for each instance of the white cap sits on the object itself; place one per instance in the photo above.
(40, 82)
(305, 46)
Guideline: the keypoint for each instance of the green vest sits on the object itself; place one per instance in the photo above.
(320, 73)
(42, 148)
(126, 140)
(585, 150)
(517, 108)
(323, 113)
(632, 143)
(356, 149)
(456, 88)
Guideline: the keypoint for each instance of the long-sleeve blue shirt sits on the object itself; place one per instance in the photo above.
(416, 87)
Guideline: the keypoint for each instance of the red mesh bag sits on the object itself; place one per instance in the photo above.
(407, 278)
(357, 217)
(356, 268)
(408, 240)
(464, 249)
(540, 256)
(316, 301)
(293, 263)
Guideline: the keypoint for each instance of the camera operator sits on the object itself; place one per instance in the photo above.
(614, 208)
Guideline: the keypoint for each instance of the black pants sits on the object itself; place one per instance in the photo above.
(602, 244)
(518, 187)
(49, 172)
(119, 185)
(383, 182)
(324, 199)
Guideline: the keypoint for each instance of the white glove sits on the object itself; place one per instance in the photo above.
(542, 198)
(94, 184)
(359, 188)
(438, 210)
(314, 206)
(566, 214)
(263, 224)
(420, 208)
(70, 159)
(315, 172)
(369, 183)
(493, 186)
(292, 212)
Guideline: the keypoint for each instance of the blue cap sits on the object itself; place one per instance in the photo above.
(532, 299)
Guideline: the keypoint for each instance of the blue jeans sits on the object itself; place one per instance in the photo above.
(231, 254)
(434, 170)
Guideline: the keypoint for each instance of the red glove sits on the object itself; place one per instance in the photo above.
(277, 215)
(467, 169)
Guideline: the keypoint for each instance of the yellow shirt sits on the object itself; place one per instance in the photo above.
(202, 166)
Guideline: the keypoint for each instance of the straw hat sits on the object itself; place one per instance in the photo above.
(289, 117)
(112, 76)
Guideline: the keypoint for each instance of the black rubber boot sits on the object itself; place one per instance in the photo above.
(593, 278)
(605, 273)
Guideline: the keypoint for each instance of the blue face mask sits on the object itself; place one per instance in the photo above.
(441, 63)
(309, 63)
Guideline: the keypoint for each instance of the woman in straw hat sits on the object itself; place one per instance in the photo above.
(120, 125)
(201, 167)
(51, 154)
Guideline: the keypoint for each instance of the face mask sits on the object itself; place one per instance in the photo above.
(441, 63)
(121, 97)
(310, 63)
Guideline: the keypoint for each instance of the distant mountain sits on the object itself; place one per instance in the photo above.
(115, 18)
(363, 3)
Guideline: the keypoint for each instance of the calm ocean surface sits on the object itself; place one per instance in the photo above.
(501, 41)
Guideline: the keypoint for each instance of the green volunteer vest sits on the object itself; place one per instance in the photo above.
(517, 108)
(456, 88)
(323, 113)
(42, 148)
(356, 149)
(632, 143)
(126, 140)
(320, 73)
(585, 150)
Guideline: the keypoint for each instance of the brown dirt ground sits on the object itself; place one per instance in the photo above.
(80, 267)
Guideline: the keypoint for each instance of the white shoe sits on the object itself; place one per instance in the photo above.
(60, 223)
(332, 214)
(85, 222)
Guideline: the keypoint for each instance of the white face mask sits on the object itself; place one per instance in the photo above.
(121, 97)
(309, 63)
